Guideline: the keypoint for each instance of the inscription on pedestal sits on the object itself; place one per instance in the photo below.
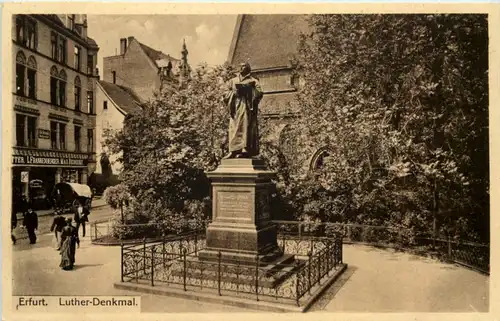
(234, 204)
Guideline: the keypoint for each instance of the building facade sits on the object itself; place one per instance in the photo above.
(137, 67)
(113, 103)
(54, 83)
(129, 80)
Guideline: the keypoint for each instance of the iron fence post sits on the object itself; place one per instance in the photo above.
(328, 256)
(309, 272)
(257, 277)
(163, 252)
(300, 231)
(219, 259)
(95, 231)
(144, 255)
(284, 243)
(184, 268)
(121, 260)
(297, 285)
(196, 244)
(152, 265)
(449, 247)
(319, 267)
(341, 251)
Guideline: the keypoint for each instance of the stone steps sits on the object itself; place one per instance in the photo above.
(270, 275)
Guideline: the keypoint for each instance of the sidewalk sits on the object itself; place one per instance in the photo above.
(96, 203)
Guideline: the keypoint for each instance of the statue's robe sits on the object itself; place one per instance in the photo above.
(242, 100)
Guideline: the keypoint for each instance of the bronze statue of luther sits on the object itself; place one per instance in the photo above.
(242, 101)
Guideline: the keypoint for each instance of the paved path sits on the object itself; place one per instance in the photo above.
(376, 281)
(381, 280)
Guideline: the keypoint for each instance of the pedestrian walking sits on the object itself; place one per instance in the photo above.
(13, 225)
(58, 223)
(81, 216)
(69, 240)
(30, 222)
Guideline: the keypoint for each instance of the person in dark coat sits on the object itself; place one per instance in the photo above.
(13, 225)
(23, 205)
(81, 216)
(30, 221)
(69, 240)
(57, 225)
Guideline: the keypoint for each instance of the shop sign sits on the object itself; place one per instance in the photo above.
(43, 133)
(32, 160)
(24, 177)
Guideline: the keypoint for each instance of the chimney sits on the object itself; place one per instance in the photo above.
(123, 46)
(130, 39)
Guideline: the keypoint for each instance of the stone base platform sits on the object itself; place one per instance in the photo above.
(233, 298)
(271, 275)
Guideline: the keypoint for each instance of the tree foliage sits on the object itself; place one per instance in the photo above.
(167, 147)
(400, 104)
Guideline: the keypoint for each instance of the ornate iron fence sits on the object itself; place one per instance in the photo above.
(173, 261)
(470, 254)
(100, 229)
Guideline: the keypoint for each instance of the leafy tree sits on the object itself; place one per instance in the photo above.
(400, 104)
(168, 146)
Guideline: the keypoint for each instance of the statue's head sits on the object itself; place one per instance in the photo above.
(245, 68)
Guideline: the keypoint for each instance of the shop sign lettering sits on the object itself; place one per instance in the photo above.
(32, 160)
(43, 133)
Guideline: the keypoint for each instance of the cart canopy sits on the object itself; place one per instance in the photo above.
(81, 189)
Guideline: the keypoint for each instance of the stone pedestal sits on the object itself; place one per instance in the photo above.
(240, 228)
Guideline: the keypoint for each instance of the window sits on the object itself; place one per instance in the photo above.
(71, 20)
(25, 131)
(53, 135)
(20, 130)
(61, 52)
(20, 84)
(31, 83)
(53, 42)
(90, 102)
(31, 38)
(62, 93)
(78, 95)
(53, 90)
(90, 140)
(26, 31)
(31, 131)
(20, 30)
(114, 77)
(62, 136)
(77, 58)
(105, 105)
(90, 64)
(77, 139)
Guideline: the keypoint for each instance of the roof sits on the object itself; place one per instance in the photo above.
(54, 18)
(91, 42)
(155, 55)
(122, 96)
(266, 41)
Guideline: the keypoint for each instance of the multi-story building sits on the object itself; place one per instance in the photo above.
(129, 80)
(54, 82)
(137, 67)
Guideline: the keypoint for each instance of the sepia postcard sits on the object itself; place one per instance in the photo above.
(196, 160)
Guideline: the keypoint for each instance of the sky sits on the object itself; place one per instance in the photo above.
(208, 37)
